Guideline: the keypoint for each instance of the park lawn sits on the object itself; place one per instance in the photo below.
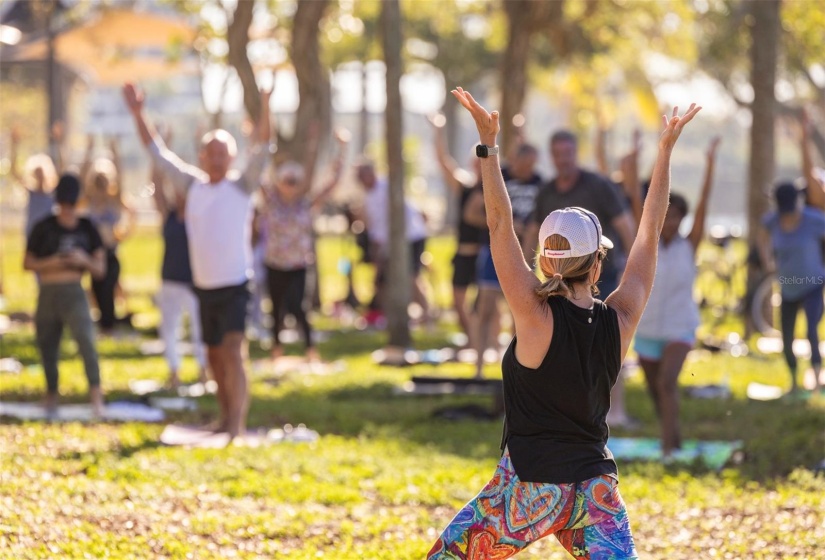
(386, 475)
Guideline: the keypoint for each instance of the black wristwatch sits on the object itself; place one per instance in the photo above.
(483, 151)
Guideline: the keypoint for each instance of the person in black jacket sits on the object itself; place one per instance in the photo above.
(556, 474)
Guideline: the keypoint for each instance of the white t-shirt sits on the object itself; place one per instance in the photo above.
(671, 311)
(377, 210)
(218, 218)
(219, 228)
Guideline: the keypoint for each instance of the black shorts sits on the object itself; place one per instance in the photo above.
(464, 270)
(223, 310)
(416, 250)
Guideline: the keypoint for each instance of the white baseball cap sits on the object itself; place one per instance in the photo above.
(581, 229)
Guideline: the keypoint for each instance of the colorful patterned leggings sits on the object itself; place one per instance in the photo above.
(588, 518)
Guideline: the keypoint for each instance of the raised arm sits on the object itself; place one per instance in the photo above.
(162, 204)
(814, 194)
(14, 148)
(86, 164)
(342, 138)
(517, 280)
(630, 177)
(601, 149)
(178, 172)
(58, 135)
(114, 148)
(259, 152)
(453, 173)
(631, 296)
(698, 229)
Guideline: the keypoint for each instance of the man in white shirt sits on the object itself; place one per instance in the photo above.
(377, 218)
(218, 224)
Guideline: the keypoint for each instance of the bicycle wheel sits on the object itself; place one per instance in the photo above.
(764, 307)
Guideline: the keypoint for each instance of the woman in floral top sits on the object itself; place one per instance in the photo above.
(290, 243)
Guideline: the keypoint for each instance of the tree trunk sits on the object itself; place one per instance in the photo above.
(524, 18)
(313, 78)
(514, 67)
(764, 55)
(237, 39)
(450, 110)
(398, 278)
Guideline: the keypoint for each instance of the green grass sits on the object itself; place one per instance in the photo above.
(386, 476)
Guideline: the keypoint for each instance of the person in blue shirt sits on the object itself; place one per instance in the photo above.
(796, 234)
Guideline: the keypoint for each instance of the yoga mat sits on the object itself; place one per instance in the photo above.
(116, 411)
(713, 453)
(148, 386)
(296, 365)
(193, 436)
(761, 392)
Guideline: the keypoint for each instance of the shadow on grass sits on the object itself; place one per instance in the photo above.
(778, 436)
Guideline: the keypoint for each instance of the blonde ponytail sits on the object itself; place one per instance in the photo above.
(563, 274)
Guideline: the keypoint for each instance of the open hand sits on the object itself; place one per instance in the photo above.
(486, 123)
(675, 124)
(133, 96)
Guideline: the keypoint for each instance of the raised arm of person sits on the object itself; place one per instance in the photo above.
(342, 138)
(697, 232)
(58, 134)
(814, 194)
(518, 282)
(601, 148)
(114, 148)
(128, 219)
(259, 151)
(453, 174)
(179, 173)
(630, 177)
(14, 149)
(631, 296)
(162, 204)
(86, 164)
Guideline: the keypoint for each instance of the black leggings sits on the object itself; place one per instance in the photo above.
(813, 306)
(286, 290)
(104, 291)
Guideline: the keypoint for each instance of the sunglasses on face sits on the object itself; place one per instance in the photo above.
(291, 181)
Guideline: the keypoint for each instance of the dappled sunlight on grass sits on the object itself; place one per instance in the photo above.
(386, 474)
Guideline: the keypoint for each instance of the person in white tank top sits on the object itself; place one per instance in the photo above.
(666, 332)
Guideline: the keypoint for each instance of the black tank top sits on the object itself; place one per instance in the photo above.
(554, 424)
(466, 232)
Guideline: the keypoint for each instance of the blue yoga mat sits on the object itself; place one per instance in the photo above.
(713, 453)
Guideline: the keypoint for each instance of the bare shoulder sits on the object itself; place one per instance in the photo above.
(534, 331)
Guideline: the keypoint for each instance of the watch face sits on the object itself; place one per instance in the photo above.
(481, 150)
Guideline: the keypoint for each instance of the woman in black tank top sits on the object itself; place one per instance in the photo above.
(556, 475)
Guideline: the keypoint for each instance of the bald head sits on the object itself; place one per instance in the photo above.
(218, 149)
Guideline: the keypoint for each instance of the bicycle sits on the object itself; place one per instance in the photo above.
(721, 284)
